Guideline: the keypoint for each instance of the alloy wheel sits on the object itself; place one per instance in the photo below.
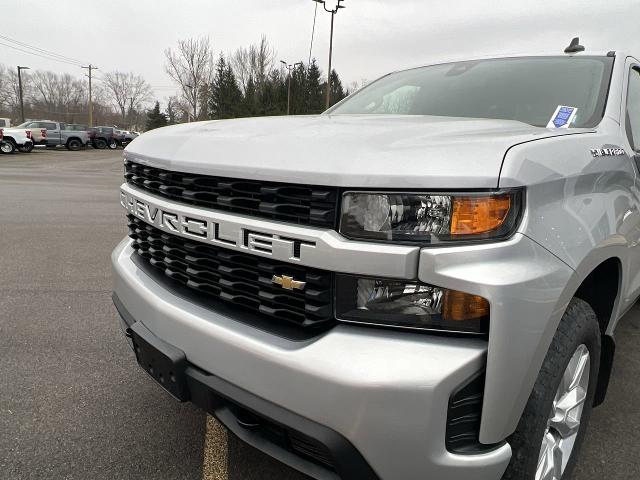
(564, 420)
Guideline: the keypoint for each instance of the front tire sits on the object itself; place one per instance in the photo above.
(74, 145)
(113, 144)
(548, 438)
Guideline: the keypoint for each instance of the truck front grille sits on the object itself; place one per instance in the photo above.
(293, 203)
(238, 278)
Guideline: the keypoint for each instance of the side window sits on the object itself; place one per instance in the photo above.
(633, 109)
(48, 126)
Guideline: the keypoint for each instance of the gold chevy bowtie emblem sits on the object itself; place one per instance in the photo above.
(288, 283)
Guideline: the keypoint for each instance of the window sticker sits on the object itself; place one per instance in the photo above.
(563, 117)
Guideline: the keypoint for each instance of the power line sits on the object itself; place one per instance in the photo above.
(38, 55)
(313, 33)
(41, 50)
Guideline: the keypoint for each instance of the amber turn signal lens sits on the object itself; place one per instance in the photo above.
(476, 215)
(458, 306)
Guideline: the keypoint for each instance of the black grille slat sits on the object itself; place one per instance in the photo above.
(298, 204)
(236, 277)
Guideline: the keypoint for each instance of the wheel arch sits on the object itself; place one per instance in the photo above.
(601, 289)
(581, 284)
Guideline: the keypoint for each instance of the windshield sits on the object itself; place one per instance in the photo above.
(528, 90)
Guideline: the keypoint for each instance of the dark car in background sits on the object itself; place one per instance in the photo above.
(105, 137)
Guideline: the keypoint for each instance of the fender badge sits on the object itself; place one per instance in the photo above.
(607, 152)
(288, 283)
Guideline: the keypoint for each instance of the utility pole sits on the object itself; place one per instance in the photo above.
(289, 68)
(90, 68)
(20, 90)
(333, 14)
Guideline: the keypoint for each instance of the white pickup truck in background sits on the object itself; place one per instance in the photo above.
(16, 139)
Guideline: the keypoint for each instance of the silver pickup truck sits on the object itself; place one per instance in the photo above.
(58, 135)
(422, 282)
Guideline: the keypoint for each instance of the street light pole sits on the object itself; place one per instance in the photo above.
(20, 90)
(333, 15)
(289, 68)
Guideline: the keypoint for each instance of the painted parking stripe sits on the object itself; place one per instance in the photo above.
(216, 453)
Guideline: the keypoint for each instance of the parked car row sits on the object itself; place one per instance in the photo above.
(53, 134)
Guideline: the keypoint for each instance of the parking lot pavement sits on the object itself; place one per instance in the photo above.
(73, 403)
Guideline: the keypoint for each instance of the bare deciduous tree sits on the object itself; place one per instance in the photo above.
(55, 93)
(191, 67)
(254, 62)
(62, 97)
(177, 110)
(10, 91)
(127, 91)
(4, 88)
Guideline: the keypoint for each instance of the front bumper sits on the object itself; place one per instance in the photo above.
(385, 392)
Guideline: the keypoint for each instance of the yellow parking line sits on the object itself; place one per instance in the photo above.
(216, 461)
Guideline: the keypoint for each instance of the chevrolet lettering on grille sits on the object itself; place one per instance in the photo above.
(216, 231)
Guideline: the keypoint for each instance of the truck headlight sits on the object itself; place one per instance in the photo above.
(424, 218)
(409, 304)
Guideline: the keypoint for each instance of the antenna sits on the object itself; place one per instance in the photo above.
(574, 46)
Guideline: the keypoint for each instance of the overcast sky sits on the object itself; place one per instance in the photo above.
(372, 37)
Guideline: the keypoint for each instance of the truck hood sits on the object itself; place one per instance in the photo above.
(342, 150)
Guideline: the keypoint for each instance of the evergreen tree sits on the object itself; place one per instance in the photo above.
(268, 96)
(225, 96)
(299, 101)
(282, 90)
(273, 97)
(337, 90)
(249, 106)
(313, 89)
(155, 118)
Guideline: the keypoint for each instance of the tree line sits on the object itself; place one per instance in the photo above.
(118, 97)
(249, 82)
